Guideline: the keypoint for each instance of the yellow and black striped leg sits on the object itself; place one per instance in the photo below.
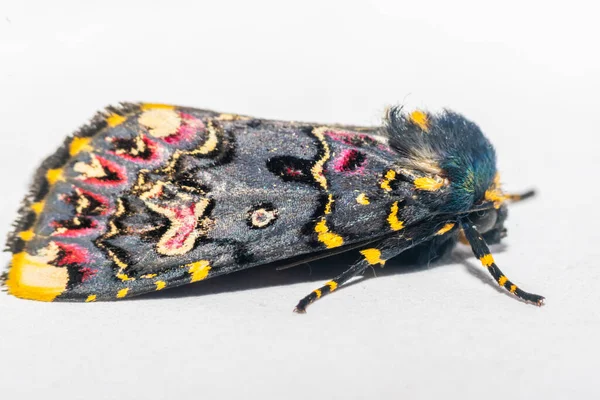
(332, 285)
(379, 253)
(482, 252)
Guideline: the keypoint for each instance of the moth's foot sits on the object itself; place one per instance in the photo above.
(536, 300)
(302, 304)
(531, 298)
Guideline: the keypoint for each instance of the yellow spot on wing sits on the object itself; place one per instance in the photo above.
(389, 177)
(428, 184)
(419, 118)
(115, 120)
(373, 256)
(393, 220)
(199, 270)
(91, 298)
(27, 235)
(332, 285)
(160, 285)
(446, 228)
(502, 280)
(329, 204)
(150, 106)
(31, 278)
(54, 175)
(317, 169)
(122, 293)
(211, 143)
(329, 239)
(78, 145)
(124, 277)
(38, 207)
(487, 260)
(362, 199)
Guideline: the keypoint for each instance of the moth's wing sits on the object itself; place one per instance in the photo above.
(152, 196)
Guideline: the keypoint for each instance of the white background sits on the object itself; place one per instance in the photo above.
(528, 72)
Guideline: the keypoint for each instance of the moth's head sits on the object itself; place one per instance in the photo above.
(448, 146)
(490, 223)
(489, 213)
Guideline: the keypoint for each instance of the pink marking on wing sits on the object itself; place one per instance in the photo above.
(103, 201)
(153, 148)
(88, 273)
(187, 221)
(345, 137)
(189, 128)
(350, 161)
(293, 172)
(115, 174)
(72, 254)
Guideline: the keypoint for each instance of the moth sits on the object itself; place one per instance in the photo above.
(150, 196)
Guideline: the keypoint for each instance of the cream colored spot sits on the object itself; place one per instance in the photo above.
(93, 169)
(362, 199)
(262, 217)
(161, 122)
(31, 277)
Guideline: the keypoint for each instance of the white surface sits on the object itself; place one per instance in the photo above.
(527, 72)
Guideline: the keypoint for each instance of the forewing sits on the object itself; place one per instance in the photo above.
(152, 196)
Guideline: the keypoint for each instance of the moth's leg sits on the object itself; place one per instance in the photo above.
(482, 252)
(378, 253)
(522, 196)
(332, 285)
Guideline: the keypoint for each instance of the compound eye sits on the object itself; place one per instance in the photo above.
(484, 220)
